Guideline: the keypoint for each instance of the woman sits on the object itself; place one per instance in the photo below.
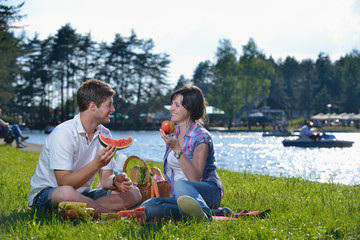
(189, 162)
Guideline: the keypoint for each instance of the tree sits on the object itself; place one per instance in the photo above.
(277, 95)
(34, 95)
(136, 72)
(307, 85)
(182, 81)
(224, 94)
(255, 71)
(326, 83)
(351, 82)
(10, 51)
(64, 65)
(203, 76)
(291, 73)
(86, 57)
(150, 70)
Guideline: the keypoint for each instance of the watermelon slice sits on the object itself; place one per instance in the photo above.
(120, 144)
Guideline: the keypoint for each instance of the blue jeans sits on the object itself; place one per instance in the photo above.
(207, 194)
(43, 198)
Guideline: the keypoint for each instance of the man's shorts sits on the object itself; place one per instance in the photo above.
(43, 198)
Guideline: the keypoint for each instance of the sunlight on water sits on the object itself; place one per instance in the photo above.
(266, 155)
(257, 154)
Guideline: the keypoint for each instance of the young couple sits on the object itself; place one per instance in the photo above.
(72, 156)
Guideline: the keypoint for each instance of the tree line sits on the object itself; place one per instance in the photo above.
(39, 78)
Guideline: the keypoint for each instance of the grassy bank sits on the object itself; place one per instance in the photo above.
(300, 210)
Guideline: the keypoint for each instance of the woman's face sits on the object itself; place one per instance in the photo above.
(178, 112)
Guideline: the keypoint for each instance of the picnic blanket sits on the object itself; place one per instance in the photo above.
(228, 214)
(76, 211)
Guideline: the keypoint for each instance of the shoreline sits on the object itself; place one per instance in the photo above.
(31, 147)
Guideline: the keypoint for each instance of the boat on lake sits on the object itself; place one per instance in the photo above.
(326, 141)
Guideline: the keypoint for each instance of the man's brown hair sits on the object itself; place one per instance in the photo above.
(93, 91)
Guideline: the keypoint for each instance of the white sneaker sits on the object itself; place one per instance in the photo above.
(191, 207)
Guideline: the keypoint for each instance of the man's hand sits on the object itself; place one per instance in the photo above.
(122, 182)
(104, 155)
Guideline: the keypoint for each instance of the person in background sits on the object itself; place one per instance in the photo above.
(72, 156)
(189, 162)
(306, 131)
(15, 132)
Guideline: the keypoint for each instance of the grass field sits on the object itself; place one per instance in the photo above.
(299, 210)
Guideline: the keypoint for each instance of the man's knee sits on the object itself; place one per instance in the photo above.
(64, 193)
(135, 192)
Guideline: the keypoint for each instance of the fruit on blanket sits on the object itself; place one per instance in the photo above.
(65, 205)
(90, 211)
(120, 144)
(137, 214)
(168, 127)
(78, 207)
(70, 214)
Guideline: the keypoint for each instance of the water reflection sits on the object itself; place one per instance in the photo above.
(257, 154)
(266, 155)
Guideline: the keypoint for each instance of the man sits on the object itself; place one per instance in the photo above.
(306, 132)
(72, 156)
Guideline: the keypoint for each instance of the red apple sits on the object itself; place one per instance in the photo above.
(71, 214)
(168, 127)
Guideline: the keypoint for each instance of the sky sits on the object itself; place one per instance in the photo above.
(190, 30)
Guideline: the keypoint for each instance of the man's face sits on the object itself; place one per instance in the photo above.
(103, 112)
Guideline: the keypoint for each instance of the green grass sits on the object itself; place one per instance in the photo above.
(300, 210)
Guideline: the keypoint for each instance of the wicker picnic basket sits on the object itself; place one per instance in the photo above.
(149, 189)
(160, 189)
(145, 188)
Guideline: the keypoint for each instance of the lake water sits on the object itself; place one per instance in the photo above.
(250, 151)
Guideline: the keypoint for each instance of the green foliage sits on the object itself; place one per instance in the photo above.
(351, 82)
(299, 209)
(10, 50)
(239, 83)
(224, 94)
(142, 171)
(37, 76)
(254, 73)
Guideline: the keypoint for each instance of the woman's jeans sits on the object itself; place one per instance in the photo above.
(207, 194)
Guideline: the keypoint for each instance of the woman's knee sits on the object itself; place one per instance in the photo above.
(181, 184)
(182, 187)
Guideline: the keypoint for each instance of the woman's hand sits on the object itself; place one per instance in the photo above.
(192, 170)
(172, 142)
(122, 182)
